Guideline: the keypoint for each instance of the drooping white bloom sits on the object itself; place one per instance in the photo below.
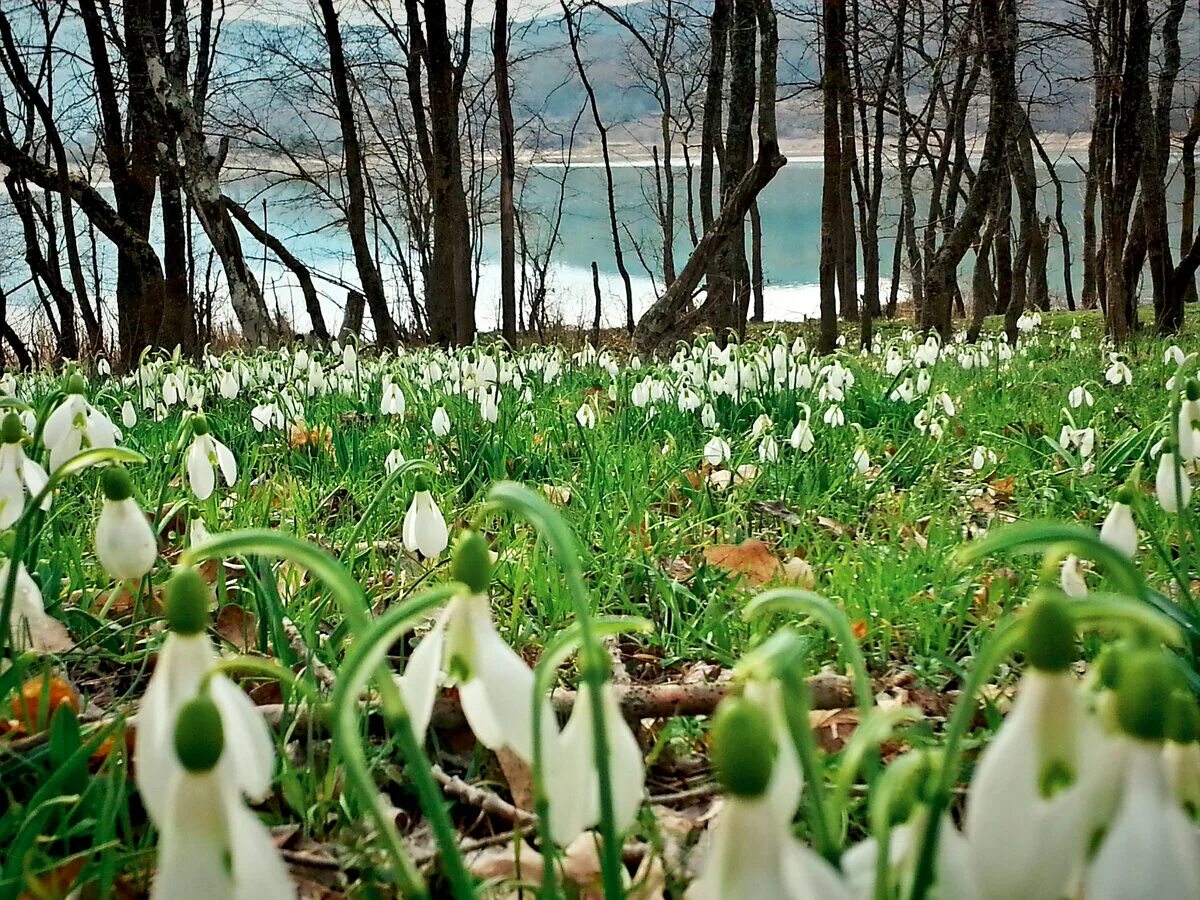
(393, 461)
(441, 422)
(392, 403)
(76, 425)
(1174, 355)
(1118, 371)
(708, 416)
(1170, 492)
(573, 782)
(1071, 578)
(489, 404)
(1080, 396)
(768, 449)
(862, 460)
(983, 456)
(1036, 795)
(183, 663)
(19, 475)
(586, 416)
(1151, 849)
(833, 417)
(266, 415)
(955, 877)
(128, 414)
(494, 684)
(204, 456)
(198, 533)
(30, 626)
(751, 854)
(717, 451)
(211, 847)
(424, 525)
(1119, 530)
(125, 542)
(761, 426)
(802, 437)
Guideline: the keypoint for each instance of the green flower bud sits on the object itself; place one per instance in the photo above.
(743, 747)
(1108, 667)
(1148, 677)
(420, 483)
(199, 735)
(75, 384)
(11, 429)
(1183, 719)
(471, 562)
(1049, 635)
(187, 597)
(199, 424)
(1126, 494)
(116, 483)
(1192, 389)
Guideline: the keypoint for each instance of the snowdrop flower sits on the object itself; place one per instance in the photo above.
(751, 851)
(489, 404)
(211, 847)
(586, 416)
(1036, 793)
(266, 415)
(29, 625)
(573, 781)
(1118, 529)
(904, 391)
(1189, 418)
(1071, 578)
(125, 542)
(1076, 333)
(833, 417)
(1080, 396)
(708, 416)
(392, 403)
(768, 449)
(947, 404)
(1118, 372)
(227, 385)
(761, 426)
(424, 525)
(463, 648)
(862, 460)
(394, 460)
(441, 422)
(197, 532)
(802, 437)
(76, 425)
(205, 455)
(103, 367)
(983, 456)
(19, 475)
(1151, 848)
(186, 659)
(1174, 355)
(128, 414)
(1171, 482)
(717, 451)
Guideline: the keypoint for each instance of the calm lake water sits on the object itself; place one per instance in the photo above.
(790, 210)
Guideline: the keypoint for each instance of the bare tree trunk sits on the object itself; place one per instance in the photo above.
(999, 33)
(756, 263)
(730, 302)
(599, 304)
(602, 130)
(666, 318)
(833, 20)
(508, 174)
(1168, 306)
(312, 303)
(1187, 223)
(1061, 223)
(356, 207)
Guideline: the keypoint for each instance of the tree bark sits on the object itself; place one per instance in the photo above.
(508, 174)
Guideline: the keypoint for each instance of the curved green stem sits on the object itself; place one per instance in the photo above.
(1001, 644)
(807, 603)
(412, 465)
(554, 530)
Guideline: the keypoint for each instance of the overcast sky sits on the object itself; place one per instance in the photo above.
(356, 10)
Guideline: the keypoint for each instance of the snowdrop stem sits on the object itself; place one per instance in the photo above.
(367, 658)
(264, 668)
(405, 468)
(872, 731)
(22, 530)
(807, 603)
(594, 660)
(995, 650)
(555, 654)
(796, 708)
